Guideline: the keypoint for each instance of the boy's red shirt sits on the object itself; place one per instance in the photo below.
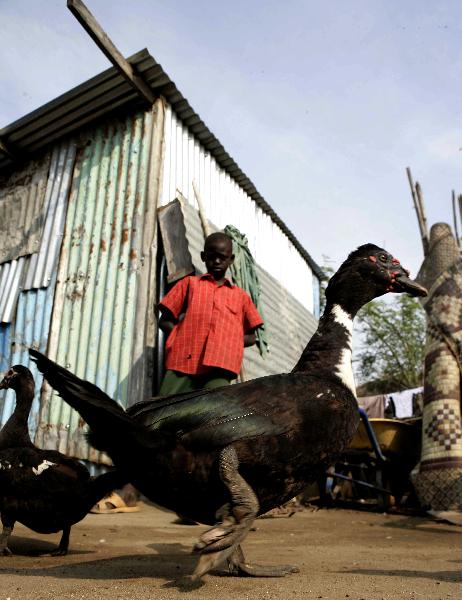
(212, 331)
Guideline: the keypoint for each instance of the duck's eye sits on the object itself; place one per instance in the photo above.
(383, 257)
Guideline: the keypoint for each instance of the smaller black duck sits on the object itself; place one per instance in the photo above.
(42, 489)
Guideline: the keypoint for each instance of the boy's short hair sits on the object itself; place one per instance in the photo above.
(218, 236)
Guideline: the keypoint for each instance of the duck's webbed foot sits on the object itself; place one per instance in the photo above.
(4, 536)
(237, 565)
(219, 542)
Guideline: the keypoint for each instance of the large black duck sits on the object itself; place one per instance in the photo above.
(42, 489)
(226, 455)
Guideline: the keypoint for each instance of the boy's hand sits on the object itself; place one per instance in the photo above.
(249, 339)
(167, 321)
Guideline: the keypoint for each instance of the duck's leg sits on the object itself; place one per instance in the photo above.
(8, 525)
(63, 547)
(64, 543)
(222, 542)
(219, 542)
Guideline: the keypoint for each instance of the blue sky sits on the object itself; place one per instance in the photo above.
(322, 104)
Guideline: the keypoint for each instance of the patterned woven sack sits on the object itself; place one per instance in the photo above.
(438, 477)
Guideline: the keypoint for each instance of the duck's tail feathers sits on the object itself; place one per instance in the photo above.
(104, 484)
(107, 420)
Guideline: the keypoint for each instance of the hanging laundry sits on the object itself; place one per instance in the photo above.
(403, 402)
(373, 405)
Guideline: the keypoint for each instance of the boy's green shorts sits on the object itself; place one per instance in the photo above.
(175, 382)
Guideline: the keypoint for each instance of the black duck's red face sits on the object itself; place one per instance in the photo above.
(13, 375)
(387, 271)
(7, 379)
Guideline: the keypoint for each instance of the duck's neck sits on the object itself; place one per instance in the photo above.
(16, 431)
(330, 348)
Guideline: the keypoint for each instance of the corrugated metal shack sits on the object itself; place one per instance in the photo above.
(81, 265)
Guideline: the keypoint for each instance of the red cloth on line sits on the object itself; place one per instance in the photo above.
(212, 331)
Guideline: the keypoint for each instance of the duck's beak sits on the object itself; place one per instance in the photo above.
(403, 283)
(4, 384)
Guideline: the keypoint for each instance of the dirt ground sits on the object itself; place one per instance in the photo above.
(341, 554)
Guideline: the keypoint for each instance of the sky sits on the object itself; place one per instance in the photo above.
(322, 104)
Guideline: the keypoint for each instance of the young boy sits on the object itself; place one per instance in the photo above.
(205, 348)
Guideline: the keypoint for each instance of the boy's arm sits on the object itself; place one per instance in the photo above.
(167, 321)
(172, 305)
(252, 321)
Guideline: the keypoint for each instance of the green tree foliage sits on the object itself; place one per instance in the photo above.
(391, 344)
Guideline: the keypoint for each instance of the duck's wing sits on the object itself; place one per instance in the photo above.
(205, 419)
(217, 417)
(23, 469)
(67, 465)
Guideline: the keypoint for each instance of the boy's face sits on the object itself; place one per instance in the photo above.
(218, 256)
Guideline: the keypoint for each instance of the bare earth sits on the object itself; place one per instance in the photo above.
(341, 554)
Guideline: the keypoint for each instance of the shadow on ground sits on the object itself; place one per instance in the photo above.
(22, 546)
(448, 576)
(422, 524)
(169, 561)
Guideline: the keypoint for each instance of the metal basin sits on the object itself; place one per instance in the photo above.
(397, 439)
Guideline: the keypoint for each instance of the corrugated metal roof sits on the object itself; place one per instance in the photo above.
(108, 92)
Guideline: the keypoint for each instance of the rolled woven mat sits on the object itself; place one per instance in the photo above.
(438, 477)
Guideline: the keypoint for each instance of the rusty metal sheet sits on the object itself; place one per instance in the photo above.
(22, 196)
(95, 321)
(43, 264)
(36, 270)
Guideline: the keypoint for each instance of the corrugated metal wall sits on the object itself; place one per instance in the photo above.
(26, 293)
(11, 276)
(226, 203)
(5, 350)
(102, 258)
(289, 326)
(30, 328)
(36, 270)
(22, 195)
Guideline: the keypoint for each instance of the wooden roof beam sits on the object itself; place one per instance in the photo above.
(104, 43)
(6, 149)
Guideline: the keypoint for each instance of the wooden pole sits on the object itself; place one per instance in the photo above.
(205, 224)
(459, 202)
(104, 43)
(454, 216)
(416, 193)
(5, 148)
(419, 193)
